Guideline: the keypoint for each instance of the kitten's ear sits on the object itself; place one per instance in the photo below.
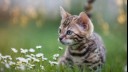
(83, 18)
(85, 22)
(63, 13)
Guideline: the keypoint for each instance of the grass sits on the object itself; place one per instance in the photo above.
(46, 36)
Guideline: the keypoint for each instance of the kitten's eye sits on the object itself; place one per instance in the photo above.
(69, 32)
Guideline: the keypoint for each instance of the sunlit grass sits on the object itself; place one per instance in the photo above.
(46, 37)
(115, 60)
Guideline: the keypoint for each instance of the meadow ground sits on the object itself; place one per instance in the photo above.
(18, 37)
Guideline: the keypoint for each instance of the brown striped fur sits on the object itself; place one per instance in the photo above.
(84, 47)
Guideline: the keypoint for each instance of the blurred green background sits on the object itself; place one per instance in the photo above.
(28, 23)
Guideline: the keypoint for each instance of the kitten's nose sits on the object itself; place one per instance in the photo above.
(60, 38)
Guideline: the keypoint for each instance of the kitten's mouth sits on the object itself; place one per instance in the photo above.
(67, 42)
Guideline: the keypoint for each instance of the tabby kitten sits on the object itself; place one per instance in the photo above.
(84, 47)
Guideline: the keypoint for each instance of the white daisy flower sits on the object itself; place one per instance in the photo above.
(21, 67)
(52, 63)
(55, 56)
(11, 63)
(36, 60)
(39, 55)
(7, 65)
(22, 60)
(14, 50)
(30, 66)
(29, 56)
(7, 57)
(32, 55)
(60, 48)
(44, 59)
(24, 51)
(38, 47)
(31, 50)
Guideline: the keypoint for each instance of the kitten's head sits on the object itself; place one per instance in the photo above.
(73, 28)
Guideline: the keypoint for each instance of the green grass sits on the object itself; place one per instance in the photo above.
(46, 36)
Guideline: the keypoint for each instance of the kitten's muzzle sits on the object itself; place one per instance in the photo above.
(61, 37)
(61, 40)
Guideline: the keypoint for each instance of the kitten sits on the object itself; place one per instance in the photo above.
(84, 46)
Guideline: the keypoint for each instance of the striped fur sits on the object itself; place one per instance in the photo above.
(84, 47)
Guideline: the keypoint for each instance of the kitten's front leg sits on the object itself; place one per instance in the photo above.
(65, 61)
(62, 61)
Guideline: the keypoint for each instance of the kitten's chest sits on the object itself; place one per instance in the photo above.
(77, 60)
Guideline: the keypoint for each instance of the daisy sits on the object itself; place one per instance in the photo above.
(31, 50)
(38, 47)
(53, 63)
(55, 56)
(39, 55)
(24, 51)
(14, 50)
